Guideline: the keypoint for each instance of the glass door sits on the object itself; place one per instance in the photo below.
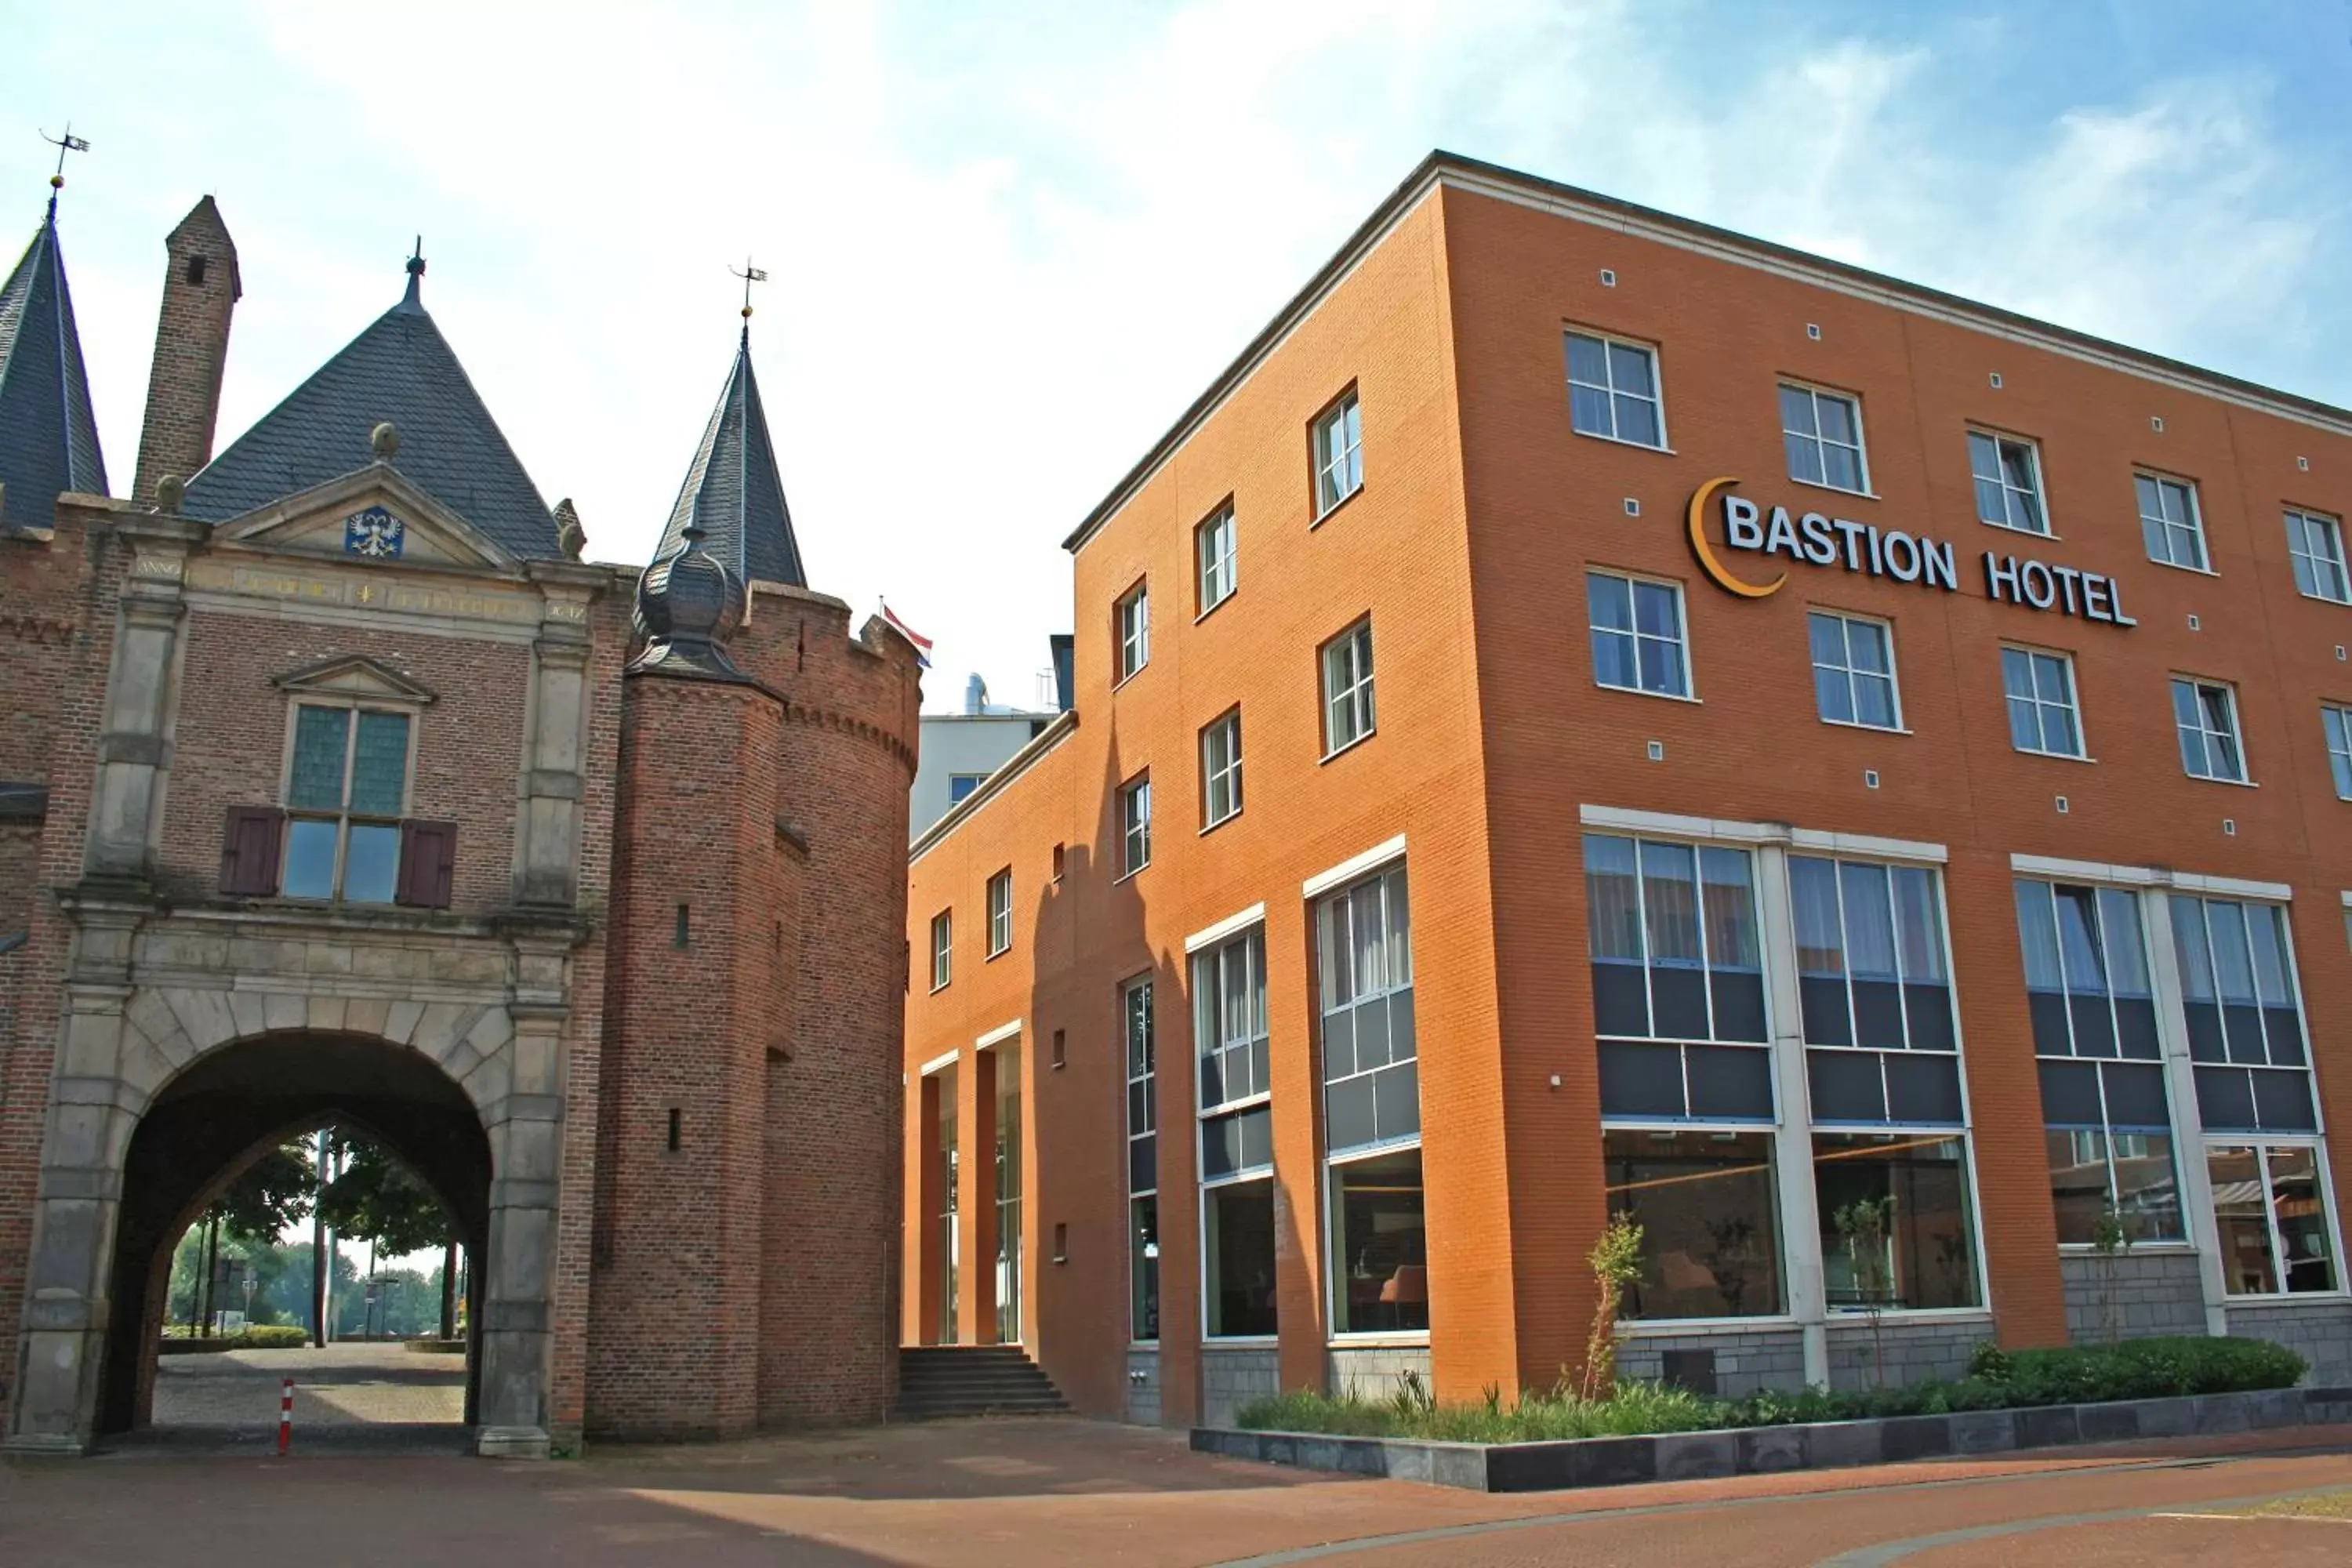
(1008, 1195)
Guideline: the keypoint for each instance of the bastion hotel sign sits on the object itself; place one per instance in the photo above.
(1814, 538)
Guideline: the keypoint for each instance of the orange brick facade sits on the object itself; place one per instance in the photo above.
(1481, 511)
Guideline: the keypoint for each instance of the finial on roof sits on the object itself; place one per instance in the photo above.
(170, 491)
(69, 143)
(411, 300)
(749, 275)
(569, 536)
(689, 605)
(384, 441)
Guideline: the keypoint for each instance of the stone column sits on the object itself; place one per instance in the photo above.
(2192, 1176)
(61, 1346)
(1792, 1144)
(524, 1116)
(135, 746)
(548, 802)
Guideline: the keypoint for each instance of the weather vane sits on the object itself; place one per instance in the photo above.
(749, 275)
(69, 143)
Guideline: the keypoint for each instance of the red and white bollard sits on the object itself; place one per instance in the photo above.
(286, 1418)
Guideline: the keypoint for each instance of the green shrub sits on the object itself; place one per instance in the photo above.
(177, 1341)
(1997, 1380)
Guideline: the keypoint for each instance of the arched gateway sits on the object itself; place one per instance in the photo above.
(335, 784)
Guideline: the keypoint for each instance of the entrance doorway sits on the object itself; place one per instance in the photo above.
(1008, 1193)
(950, 1244)
(222, 1136)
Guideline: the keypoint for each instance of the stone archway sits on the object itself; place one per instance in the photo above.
(141, 1071)
(213, 1119)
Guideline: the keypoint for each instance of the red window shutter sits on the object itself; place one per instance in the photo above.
(428, 863)
(249, 846)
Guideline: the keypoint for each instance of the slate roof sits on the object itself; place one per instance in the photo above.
(49, 436)
(401, 369)
(733, 491)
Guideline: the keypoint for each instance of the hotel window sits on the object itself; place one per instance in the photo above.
(1613, 390)
(961, 785)
(2008, 474)
(2336, 722)
(1882, 1063)
(1853, 670)
(1134, 825)
(2315, 544)
(1237, 1122)
(1371, 1108)
(999, 912)
(2043, 715)
(1142, 1163)
(1338, 453)
(346, 791)
(1221, 770)
(2169, 521)
(1348, 687)
(2270, 1209)
(1686, 1099)
(1822, 433)
(2245, 1021)
(943, 948)
(1214, 549)
(1133, 618)
(2206, 714)
(1637, 634)
(2107, 1121)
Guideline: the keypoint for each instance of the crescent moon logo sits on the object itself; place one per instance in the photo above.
(1716, 572)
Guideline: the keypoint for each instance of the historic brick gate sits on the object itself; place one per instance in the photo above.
(162, 1011)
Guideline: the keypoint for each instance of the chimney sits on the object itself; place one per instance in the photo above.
(976, 695)
(200, 290)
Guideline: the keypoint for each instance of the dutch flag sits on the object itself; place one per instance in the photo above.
(921, 643)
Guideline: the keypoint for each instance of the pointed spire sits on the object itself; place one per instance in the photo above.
(49, 432)
(734, 492)
(412, 300)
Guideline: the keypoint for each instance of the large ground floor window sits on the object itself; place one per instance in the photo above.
(1380, 1245)
(2270, 1208)
(1708, 1208)
(1143, 1266)
(1237, 1258)
(2094, 1172)
(1897, 1226)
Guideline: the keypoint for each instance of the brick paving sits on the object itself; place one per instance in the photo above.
(1013, 1494)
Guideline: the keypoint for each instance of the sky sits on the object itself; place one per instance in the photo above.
(1007, 245)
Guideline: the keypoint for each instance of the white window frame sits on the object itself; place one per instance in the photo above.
(2315, 546)
(2074, 704)
(2037, 495)
(1203, 1114)
(2194, 528)
(343, 817)
(1861, 437)
(943, 949)
(1216, 559)
(2235, 734)
(1682, 639)
(1134, 825)
(1131, 624)
(2336, 728)
(1656, 398)
(1847, 620)
(1225, 775)
(1000, 913)
(976, 780)
(2322, 1178)
(1338, 448)
(1346, 670)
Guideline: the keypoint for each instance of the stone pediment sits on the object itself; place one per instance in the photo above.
(372, 514)
(352, 676)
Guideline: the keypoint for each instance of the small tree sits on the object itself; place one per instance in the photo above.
(2108, 1239)
(1616, 1260)
(1862, 1225)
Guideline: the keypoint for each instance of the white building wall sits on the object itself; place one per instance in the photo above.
(956, 744)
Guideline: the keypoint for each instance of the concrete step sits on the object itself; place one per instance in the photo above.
(941, 1382)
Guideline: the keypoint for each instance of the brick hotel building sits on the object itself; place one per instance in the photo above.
(1594, 712)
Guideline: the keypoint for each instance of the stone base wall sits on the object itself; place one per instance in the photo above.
(1231, 1378)
(1745, 1360)
(2320, 1332)
(1375, 1372)
(1143, 1387)
(2152, 1294)
(1914, 1349)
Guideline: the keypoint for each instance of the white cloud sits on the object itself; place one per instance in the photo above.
(1006, 251)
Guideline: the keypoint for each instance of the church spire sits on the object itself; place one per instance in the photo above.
(48, 433)
(732, 492)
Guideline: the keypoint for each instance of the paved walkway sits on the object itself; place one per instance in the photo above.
(340, 1384)
(1013, 1494)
